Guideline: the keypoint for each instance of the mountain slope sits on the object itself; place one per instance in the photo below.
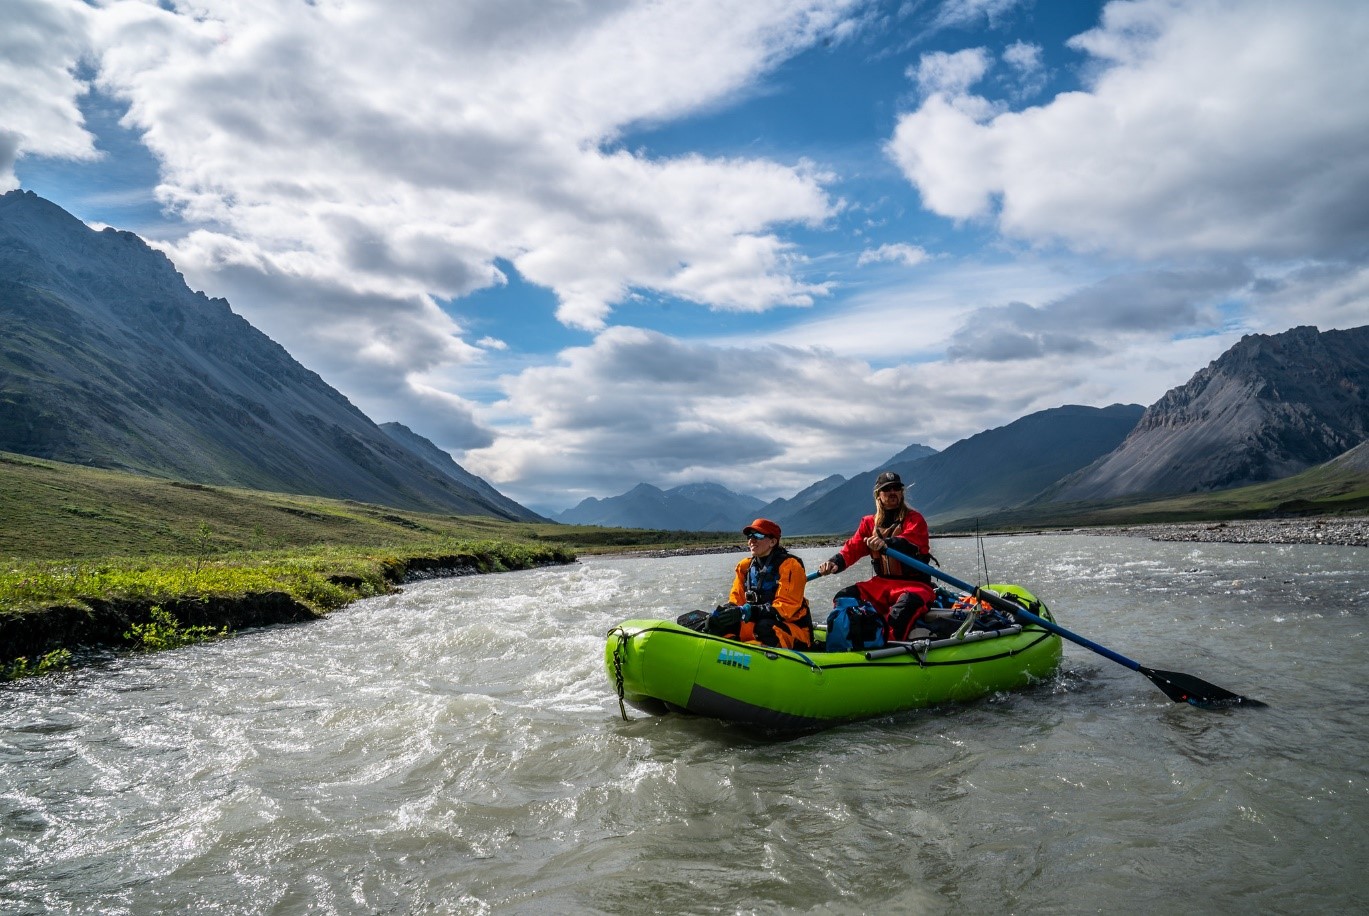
(426, 450)
(692, 507)
(108, 359)
(1338, 487)
(996, 469)
(1270, 407)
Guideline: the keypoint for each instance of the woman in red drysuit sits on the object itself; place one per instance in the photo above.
(900, 594)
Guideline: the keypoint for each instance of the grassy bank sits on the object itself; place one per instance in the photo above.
(50, 609)
(97, 558)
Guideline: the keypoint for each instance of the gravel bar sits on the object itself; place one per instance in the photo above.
(1339, 531)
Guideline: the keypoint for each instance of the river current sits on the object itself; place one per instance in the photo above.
(457, 748)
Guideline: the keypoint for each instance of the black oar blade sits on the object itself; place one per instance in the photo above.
(1185, 688)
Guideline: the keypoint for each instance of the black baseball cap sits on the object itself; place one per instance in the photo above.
(888, 481)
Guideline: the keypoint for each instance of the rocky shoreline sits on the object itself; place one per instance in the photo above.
(1343, 531)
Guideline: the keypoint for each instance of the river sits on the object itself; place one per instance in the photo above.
(457, 748)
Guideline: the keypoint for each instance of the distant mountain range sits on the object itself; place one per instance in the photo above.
(1270, 407)
(784, 508)
(108, 359)
(988, 471)
(692, 507)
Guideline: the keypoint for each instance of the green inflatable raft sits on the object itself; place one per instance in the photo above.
(659, 666)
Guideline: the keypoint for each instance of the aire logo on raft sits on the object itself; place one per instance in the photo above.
(734, 658)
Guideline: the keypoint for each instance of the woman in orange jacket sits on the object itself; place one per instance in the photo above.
(767, 605)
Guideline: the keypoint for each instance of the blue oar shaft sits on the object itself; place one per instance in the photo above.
(1016, 611)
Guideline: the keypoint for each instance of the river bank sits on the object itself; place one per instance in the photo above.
(89, 610)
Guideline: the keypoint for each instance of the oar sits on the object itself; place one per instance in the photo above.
(1179, 687)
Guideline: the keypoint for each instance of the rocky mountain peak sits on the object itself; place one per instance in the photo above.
(1271, 406)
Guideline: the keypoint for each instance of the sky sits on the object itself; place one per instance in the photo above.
(584, 245)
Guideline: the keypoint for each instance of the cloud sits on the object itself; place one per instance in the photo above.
(1210, 128)
(899, 252)
(340, 167)
(963, 13)
(950, 74)
(395, 345)
(343, 170)
(41, 46)
(1327, 295)
(769, 419)
(1108, 316)
(406, 150)
(1029, 71)
(639, 405)
(1023, 57)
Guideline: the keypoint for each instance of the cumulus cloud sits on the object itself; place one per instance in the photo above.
(41, 47)
(1210, 127)
(950, 74)
(1107, 316)
(406, 148)
(343, 169)
(1029, 72)
(636, 405)
(394, 344)
(1023, 57)
(342, 166)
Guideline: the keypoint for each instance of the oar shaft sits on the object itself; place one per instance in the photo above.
(1013, 609)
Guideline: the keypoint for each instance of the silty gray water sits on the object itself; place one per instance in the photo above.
(458, 749)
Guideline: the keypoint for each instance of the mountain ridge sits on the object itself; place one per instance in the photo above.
(108, 359)
(991, 469)
(689, 507)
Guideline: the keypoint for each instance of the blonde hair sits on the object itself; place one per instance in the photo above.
(889, 519)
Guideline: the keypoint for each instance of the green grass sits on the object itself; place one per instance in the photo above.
(162, 632)
(324, 578)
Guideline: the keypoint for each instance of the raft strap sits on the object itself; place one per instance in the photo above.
(618, 668)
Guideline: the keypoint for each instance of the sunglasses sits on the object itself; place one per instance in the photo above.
(756, 536)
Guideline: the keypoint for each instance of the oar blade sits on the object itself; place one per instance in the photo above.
(1185, 688)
